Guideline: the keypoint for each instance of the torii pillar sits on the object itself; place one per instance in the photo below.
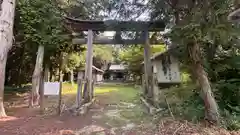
(148, 89)
(88, 87)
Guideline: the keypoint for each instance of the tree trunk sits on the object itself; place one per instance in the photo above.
(211, 108)
(41, 91)
(60, 76)
(56, 74)
(6, 36)
(46, 73)
(52, 77)
(60, 92)
(34, 97)
(2, 78)
(19, 78)
(72, 77)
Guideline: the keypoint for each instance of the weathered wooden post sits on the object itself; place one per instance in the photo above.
(92, 90)
(143, 83)
(88, 68)
(147, 66)
(79, 89)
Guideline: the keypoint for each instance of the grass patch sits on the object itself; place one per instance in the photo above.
(185, 102)
(72, 89)
(118, 92)
(135, 115)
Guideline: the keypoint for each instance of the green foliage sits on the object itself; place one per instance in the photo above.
(231, 121)
(40, 22)
(36, 23)
(73, 61)
(102, 55)
(184, 102)
(85, 9)
(133, 57)
(185, 77)
(191, 109)
(228, 94)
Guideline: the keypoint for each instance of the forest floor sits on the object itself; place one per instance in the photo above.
(116, 111)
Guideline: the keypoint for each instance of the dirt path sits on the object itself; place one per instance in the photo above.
(107, 116)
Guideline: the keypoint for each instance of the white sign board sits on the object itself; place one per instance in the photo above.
(51, 88)
(171, 73)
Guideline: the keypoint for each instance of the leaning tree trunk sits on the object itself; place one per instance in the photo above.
(34, 96)
(6, 36)
(211, 108)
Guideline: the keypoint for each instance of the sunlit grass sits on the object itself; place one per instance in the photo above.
(118, 92)
(72, 89)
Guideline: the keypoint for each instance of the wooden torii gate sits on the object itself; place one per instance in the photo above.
(143, 26)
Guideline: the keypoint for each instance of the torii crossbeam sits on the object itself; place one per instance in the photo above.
(111, 25)
(112, 41)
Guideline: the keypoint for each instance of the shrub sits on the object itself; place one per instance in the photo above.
(228, 94)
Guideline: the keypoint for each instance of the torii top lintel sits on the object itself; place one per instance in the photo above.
(111, 25)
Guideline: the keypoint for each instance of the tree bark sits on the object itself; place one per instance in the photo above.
(60, 92)
(41, 91)
(60, 75)
(148, 67)
(46, 73)
(19, 78)
(6, 35)
(2, 78)
(52, 77)
(79, 89)
(34, 97)
(88, 68)
(211, 107)
(72, 78)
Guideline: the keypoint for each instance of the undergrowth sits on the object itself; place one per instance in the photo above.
(185, 103)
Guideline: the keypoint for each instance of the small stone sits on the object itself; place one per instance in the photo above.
(129, 126)
(101, 133)
(96, 110)
(67, 132)
(58, 121)
(96, 116)
(112, 131)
